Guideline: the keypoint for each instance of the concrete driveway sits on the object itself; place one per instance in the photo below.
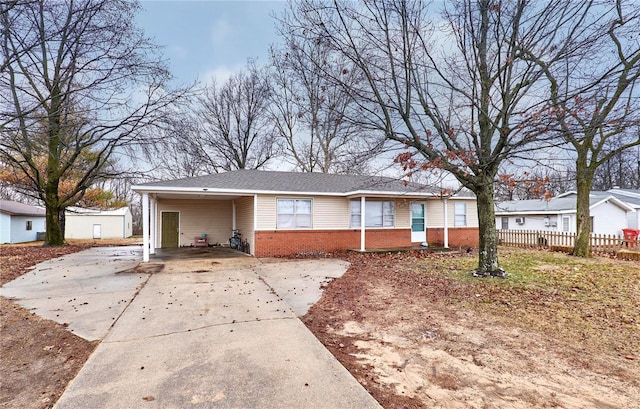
(206, 332)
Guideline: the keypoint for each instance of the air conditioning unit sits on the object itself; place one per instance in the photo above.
(520, 220)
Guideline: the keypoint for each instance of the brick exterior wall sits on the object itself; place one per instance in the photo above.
(458, 237)
(273, 243)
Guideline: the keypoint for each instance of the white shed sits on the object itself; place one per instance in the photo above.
(19, 222)
(98, 224)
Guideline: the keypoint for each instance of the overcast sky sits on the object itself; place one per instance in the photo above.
(205, 39)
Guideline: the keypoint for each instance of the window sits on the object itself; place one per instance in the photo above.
(377, 214)
(565, 224)
(29, 225)
(460, 218)
(505, 223)
(294, 213)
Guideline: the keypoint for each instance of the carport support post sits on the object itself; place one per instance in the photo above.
(152, 226)
(362, 222)
(145, 227)
(446, 222)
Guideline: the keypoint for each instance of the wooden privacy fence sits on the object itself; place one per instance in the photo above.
(564, 241)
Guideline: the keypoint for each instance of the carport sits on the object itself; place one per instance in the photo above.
(194, 218)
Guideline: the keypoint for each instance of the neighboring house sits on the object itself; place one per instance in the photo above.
(630, 197)
(286, 213)
(608, 214)
(20, 223)
(97, 224)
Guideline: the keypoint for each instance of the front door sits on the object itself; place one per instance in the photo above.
(170, 228)
(418, 225)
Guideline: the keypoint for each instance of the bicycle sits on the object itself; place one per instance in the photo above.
(235, 241)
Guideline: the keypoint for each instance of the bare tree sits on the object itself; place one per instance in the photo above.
(312, 112)
(539, 182)
(455, 91)
(621, 170)
(79, 82)
(595, 105)
(235, 129)
(179, 152)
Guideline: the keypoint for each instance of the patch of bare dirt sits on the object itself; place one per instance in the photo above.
(409, 337)
(38, 357)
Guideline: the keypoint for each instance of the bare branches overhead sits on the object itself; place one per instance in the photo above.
(79, 82)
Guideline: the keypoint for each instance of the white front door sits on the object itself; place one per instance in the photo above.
(418, 225)
(97, 231)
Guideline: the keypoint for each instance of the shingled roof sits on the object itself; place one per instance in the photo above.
(556, 204)
(20, 209)
(294, 182)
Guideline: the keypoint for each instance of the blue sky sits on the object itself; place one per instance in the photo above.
(205, 39)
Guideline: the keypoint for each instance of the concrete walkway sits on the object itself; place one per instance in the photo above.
(206, 333)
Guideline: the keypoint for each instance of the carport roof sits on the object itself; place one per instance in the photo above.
(257, 181)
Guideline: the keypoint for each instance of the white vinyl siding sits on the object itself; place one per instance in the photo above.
(328, 212)
(213, 217)
(334, 213)
(435, 213)
(294, 213)
(244, 219)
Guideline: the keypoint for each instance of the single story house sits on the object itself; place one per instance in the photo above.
(83, 223)
(608, 214)
(287, 213)
(19, 222)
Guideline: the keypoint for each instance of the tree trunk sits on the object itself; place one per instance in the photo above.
(54, 233)
(582, 246)
(488, 245)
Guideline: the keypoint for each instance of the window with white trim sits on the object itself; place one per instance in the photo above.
(565, 223)
(460, 214)
(377, 213)
(294, 214)
(29, 225)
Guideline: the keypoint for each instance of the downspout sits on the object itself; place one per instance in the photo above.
(145, 227)
(362, 222)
